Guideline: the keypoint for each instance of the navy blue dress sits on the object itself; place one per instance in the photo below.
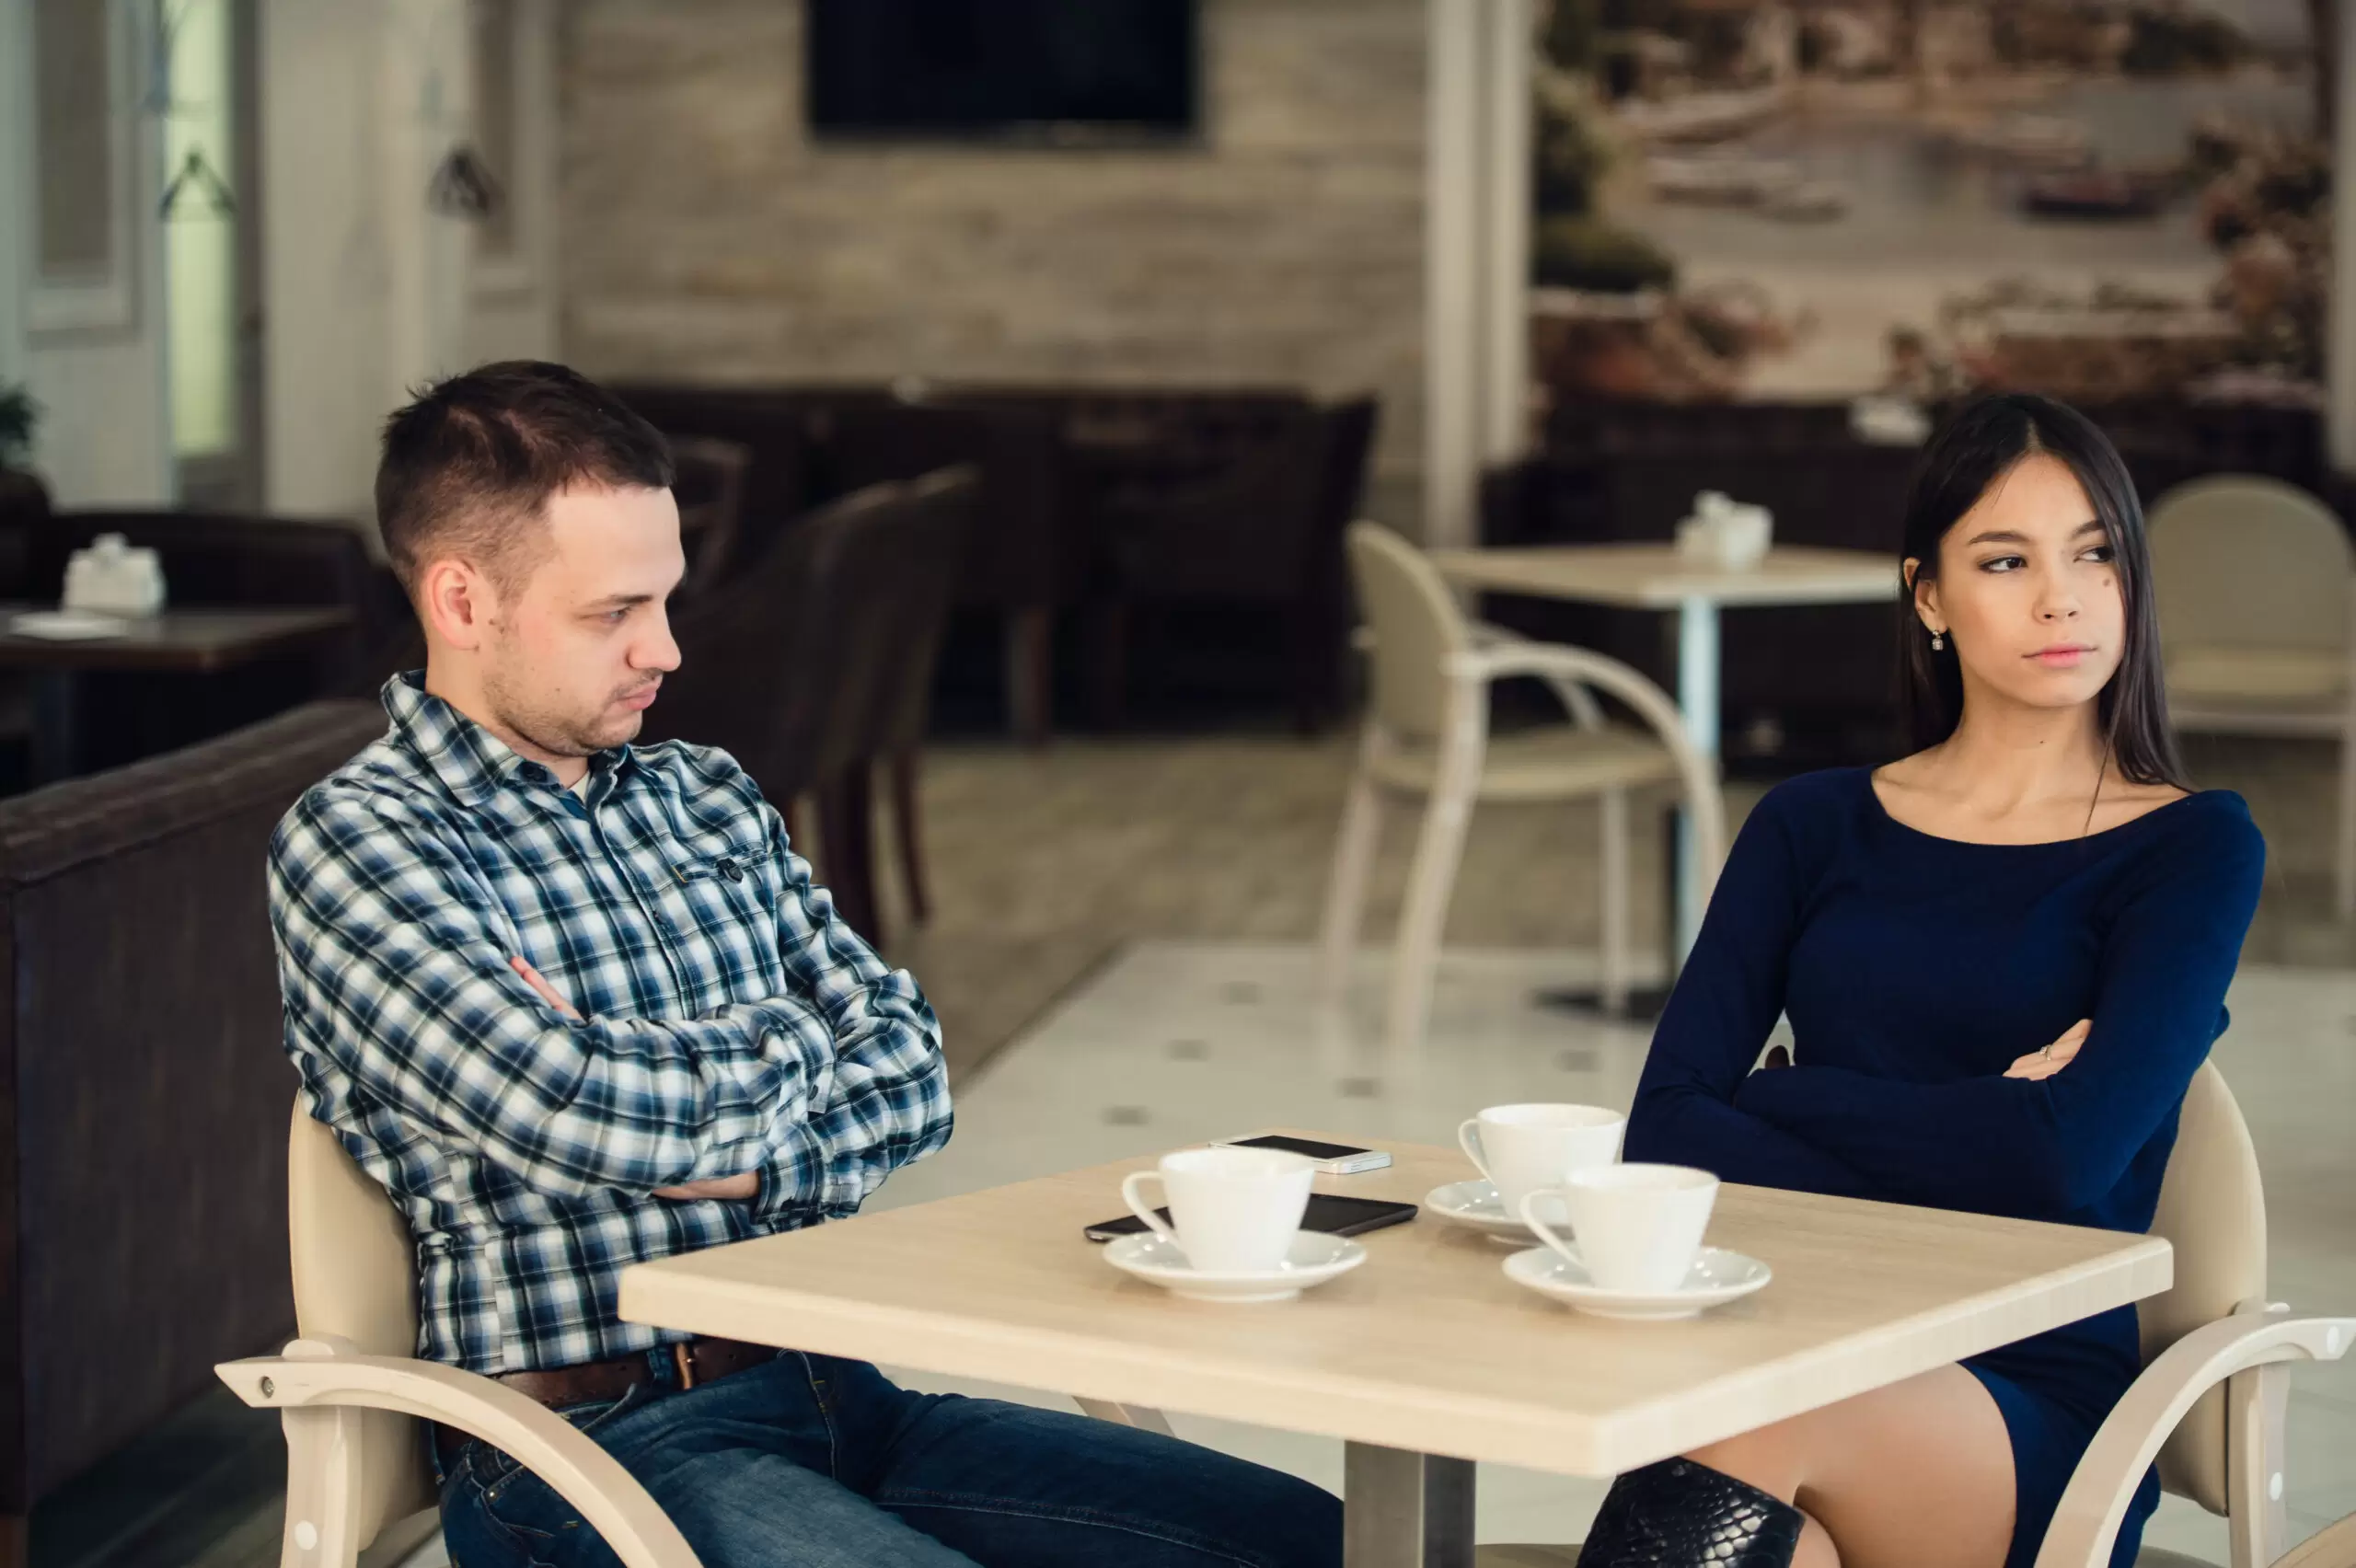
(1914, 969)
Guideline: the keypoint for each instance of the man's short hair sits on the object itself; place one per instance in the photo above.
(470, 465)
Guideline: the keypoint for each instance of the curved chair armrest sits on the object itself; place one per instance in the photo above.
(1488, 637)
(2086, 1524)
(1556, 662)
(322, 1384)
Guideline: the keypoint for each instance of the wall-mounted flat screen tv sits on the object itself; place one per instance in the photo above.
(1051, 71)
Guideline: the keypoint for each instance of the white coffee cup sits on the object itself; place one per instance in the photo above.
(1235, 1210)
(1639, 1226)
(1522, 1149)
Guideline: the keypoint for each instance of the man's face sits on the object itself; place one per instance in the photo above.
(574, 651)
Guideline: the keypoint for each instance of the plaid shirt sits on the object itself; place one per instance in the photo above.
(730, 1023)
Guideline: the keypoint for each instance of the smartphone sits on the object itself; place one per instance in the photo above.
(1333, 1160)
(1332, 1216)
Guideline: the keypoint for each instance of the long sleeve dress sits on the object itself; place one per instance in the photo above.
(1914, 969)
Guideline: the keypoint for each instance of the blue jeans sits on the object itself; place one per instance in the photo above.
(810, 1463)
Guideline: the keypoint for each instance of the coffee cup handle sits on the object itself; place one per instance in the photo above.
(1539, 1227)
(1468, 1138)
(1143, 1210)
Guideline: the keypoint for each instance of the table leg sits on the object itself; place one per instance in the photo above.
(1405, 1510)
(1697, 698)
(57, 725)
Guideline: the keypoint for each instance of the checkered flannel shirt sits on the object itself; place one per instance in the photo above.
(730, 1023)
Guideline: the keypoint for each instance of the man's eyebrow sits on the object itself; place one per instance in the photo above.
(618, 602)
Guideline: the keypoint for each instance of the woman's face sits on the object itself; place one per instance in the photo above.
(2026, 592)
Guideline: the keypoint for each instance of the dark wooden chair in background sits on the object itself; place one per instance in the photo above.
(1258, 523)
(1024, 558)
(710, 488)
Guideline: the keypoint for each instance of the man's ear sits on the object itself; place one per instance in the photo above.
(456, 603)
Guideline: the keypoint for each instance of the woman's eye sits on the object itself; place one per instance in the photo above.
(2003, 563)
(2101, 554)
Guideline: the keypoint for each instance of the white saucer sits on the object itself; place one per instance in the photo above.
(67, 626)
(1314, 1259)
(1716, 1277)
(1475, 1206)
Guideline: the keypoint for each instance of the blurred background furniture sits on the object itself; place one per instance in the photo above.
(176, 644)
(142, 1208)
(1813, 687)
(1249, 515)
(1656, 578)
(917, 563)
(2256, 584)
(1065, 470)
(761, 665)
(228, 561)
(2216, 1355)
(1427, 734)
(1023, 561)
(709, 490)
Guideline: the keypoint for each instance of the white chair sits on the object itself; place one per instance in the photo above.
(352, 1393)
(2209, 1406)
(1427, 734)
(2256, 586)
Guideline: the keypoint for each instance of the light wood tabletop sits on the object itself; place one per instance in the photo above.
(1649, 576)
(1427, 1347)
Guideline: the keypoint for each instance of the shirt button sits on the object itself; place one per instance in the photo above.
(728, 868)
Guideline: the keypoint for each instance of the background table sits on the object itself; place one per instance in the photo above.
(1427, 1357)
(186, 641)
(1655, 577)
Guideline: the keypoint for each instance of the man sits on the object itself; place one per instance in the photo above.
(578, 1005)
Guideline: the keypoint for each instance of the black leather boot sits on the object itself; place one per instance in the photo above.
(1680, 1515)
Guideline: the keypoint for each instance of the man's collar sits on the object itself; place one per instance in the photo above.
(469, 761)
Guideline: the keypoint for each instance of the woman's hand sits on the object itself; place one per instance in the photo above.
(2054, 1058)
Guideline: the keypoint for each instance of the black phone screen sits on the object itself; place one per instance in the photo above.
(1327, 1212)
(1309, 1147)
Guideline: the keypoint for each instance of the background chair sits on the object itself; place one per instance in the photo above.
(1250, 513)
(917, 569)
(139, 1240)
(2256, 584)
(2209, 1407)
(710, 488)
(762, 662)
(1022, 557)
(1427, 734)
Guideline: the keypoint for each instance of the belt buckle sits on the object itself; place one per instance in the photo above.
(683, 1361)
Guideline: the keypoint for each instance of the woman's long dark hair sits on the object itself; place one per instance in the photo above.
(1978, 447)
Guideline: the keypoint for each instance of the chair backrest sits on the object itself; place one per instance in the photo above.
(355, 1275)
(1415, 625)
(2240, 560)
(942, 517)
(2212, 1211)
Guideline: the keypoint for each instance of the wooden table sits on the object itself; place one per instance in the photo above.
(181, 641)
(1426, 1358)
(1655, 577)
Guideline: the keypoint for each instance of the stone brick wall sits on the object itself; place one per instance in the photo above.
(704, 235)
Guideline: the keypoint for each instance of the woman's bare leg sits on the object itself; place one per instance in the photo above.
(1915, 1475)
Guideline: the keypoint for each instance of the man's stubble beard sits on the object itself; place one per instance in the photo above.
(553, 731)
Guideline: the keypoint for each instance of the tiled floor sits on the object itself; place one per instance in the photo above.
(1174, 1043)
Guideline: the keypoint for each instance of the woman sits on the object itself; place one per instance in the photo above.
(2002, 959)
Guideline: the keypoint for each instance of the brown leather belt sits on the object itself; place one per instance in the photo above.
(695, 1362)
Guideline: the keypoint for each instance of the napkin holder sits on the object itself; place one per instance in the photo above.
(112, 577)
(1726, 534)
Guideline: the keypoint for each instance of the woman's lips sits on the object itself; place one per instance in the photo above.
(2068, 656)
